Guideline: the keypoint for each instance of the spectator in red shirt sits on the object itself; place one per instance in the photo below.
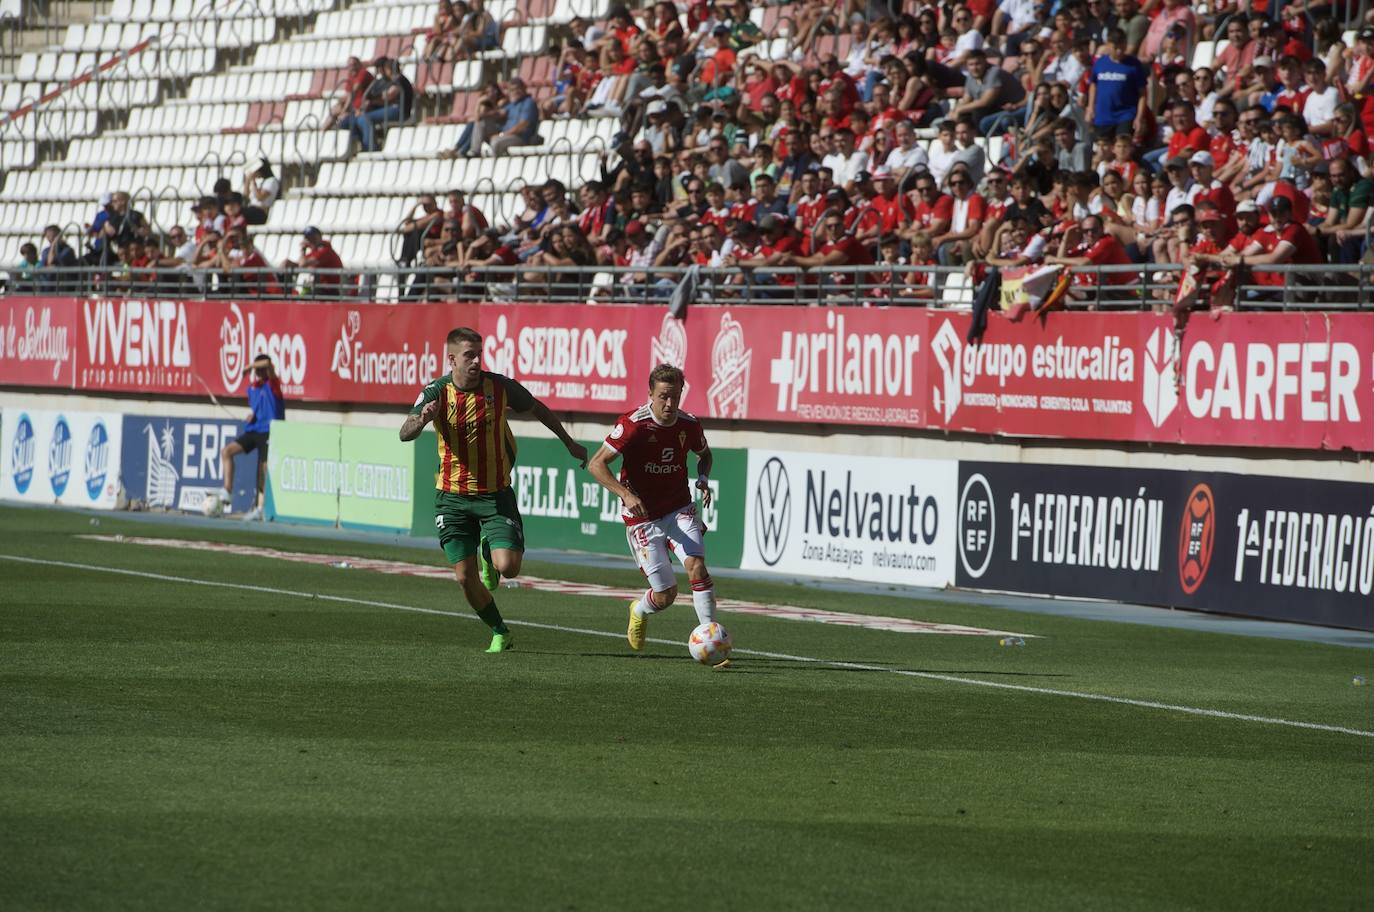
(811, 203)
(354, 88)
(318, 256)
(1249, 233)
(1292, 244)
(1348, 138)
(1215, 192)
(837, 249)
(717, 209)
(471, 222)
(967, 211)
(1293, 93)
(778, 240)
(234, 216)
(934, 209)
(1175, 12)
(1295, 243)
(1238, 54)
(245, 269)
(894, 208)
(1089, 245)
(598, 212)
(1187, 137)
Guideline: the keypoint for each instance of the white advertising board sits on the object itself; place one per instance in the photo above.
(875, 519)
(70, 458)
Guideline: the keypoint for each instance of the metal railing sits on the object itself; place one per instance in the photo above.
(1152, 287)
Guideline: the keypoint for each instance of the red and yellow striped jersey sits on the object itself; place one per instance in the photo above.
(476, 446)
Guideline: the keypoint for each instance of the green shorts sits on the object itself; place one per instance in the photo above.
(463, 520)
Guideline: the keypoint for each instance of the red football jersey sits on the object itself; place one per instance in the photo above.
(653, 460)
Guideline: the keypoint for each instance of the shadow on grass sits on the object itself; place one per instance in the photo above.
(765, 665)
(735, 666)
(826, 665)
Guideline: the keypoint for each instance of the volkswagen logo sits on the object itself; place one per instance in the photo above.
(772, 511)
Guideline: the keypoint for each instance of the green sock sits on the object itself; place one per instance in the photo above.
(491, 616)
(486, 550)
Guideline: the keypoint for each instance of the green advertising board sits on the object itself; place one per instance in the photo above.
(362, 478)
(366, 478)
(564, 508)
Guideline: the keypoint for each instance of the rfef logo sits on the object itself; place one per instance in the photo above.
(1196, 536)
(772, 511)
(23, 451)
(60, 456)
(97, 460)
(977, 525)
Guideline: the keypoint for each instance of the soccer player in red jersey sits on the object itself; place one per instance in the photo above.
(656, 501)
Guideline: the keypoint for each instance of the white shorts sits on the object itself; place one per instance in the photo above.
(651, 542)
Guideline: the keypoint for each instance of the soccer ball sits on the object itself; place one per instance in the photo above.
(709, 644)
(211, 505)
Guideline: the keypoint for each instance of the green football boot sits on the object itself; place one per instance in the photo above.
(486, 571)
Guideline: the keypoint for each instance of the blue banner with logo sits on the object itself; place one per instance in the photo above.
(173, 463)
(1291, 549)
(60, 457)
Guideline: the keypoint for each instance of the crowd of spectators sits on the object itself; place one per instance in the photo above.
(1017, 133)
(903, 135)
(123, 251)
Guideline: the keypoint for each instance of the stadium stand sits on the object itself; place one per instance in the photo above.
(1131, 151)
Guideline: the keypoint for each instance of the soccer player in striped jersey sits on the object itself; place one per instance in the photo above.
(475, 512)
(656, 501)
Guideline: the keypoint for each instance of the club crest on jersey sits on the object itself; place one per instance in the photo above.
(682, 438)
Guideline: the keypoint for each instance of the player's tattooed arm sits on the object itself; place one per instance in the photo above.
(414, 424)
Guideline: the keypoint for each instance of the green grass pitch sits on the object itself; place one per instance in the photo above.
(169, 745)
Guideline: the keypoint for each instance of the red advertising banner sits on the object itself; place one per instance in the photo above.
(580, 357)
(812, 364)
(1289, 380)
(1268, 380)
(1075, 375)
(323, 352)
(38, 341)
(1301, 381)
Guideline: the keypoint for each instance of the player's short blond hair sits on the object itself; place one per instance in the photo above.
(666, 373)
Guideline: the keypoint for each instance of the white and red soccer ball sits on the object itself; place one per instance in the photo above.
(709, 644)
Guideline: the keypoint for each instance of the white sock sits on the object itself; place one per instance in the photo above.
(704, 600)
(226, 495)
(644, 605)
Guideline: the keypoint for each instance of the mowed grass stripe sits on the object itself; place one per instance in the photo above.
(832, 663)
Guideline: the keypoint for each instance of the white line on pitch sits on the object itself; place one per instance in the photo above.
(857, 666)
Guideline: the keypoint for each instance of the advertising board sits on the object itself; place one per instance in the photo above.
(563, 507)
(361, 478)
(38, 341)
(851, 517)
(1289, 380)
(69, 458)
(1284, 548)
(323, 352)
(173, 463)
